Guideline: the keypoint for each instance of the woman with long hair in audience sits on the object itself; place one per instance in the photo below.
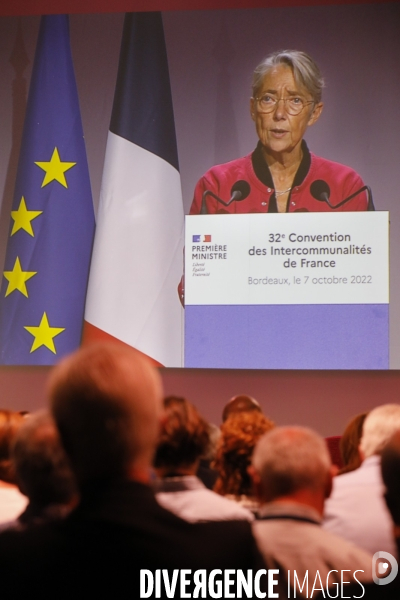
(184, 438)
(239, 435)
(349, 444)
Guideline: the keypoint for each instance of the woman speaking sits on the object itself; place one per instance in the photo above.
(282, 175)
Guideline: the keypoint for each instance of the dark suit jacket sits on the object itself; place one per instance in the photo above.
(101, 547)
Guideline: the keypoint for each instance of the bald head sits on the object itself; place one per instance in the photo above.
(241, 403)
(106, 400)
(289, 459)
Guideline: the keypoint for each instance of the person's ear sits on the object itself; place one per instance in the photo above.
(316, 113)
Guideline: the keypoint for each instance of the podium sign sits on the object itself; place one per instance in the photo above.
(299, 290)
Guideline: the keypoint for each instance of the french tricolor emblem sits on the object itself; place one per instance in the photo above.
(201, 238)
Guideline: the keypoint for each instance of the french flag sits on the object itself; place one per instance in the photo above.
(137, 254)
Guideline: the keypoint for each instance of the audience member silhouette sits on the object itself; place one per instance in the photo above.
(42, 471)
(292, 473)
(387, 590)
(107, 404)
(239, 435)
(356, 509)
(183, 440)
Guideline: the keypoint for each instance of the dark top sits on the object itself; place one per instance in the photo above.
(100, 548)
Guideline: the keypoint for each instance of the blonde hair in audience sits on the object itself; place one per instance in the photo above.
(378, 428)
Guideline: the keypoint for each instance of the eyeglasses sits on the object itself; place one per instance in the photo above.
(293, 104)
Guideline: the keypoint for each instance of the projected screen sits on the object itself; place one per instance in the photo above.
(211, 58)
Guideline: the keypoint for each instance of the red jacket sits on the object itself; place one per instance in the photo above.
(342, 182)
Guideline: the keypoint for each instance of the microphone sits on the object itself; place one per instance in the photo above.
(239, 191)
(320, 190)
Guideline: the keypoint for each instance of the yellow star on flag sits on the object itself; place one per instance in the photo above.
(17, 278)
(55, 169)
(44, 334)
(23, 217)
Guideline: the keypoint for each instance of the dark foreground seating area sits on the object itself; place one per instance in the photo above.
(118, 491)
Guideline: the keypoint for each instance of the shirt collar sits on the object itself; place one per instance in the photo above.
(287, 509)
(177, 484)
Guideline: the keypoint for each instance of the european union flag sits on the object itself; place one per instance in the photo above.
(52, 219)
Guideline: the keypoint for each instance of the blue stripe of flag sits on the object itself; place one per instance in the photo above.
(142, 110)
(60, 250)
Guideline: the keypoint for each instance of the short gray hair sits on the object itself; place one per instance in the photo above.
(106, 401)
(378, 428)
(305, 71)
(289, 459)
